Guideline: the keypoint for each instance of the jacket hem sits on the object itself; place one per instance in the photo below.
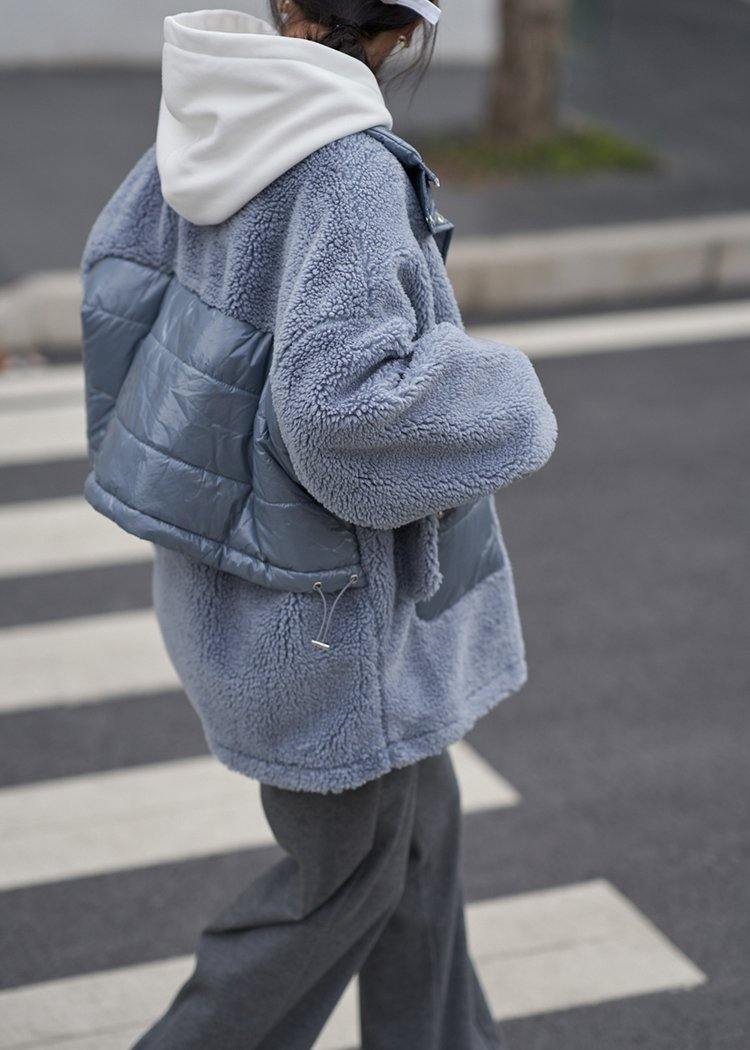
(219, 555)
(335, 779)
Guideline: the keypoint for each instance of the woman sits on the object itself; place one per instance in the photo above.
(281, 395)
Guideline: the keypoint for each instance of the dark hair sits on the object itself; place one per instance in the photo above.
(350, 23)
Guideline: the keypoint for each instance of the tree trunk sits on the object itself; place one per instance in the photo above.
(525, 87)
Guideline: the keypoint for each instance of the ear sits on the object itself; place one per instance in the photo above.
(407, 34)
(410, 31)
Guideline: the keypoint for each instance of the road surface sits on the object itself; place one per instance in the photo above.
(607, 843)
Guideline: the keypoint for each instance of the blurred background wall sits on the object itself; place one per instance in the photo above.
(129, 31)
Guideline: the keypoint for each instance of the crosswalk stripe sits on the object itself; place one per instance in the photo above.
(48, 433)
(82, 661)
(121, 1038)
(56, 534)
(556, 949)
(32, 385)
(103, 822)
(535, 952)
(481, 785)
(337, 1033)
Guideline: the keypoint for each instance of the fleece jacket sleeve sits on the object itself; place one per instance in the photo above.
(386, 416)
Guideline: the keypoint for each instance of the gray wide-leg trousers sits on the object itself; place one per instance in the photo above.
(370, 884)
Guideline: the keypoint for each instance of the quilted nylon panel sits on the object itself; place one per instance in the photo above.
(185, 446)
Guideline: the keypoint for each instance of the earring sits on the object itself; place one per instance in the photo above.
(403, 40)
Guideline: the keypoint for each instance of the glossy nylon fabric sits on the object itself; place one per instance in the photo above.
(184, 439)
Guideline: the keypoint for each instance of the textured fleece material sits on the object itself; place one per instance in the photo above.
(390, 413)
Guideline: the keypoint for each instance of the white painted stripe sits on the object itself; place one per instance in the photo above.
(337, 1033)
(573, 946)
(640, 329)
(49, 433)
(83, 1007)
(342, 1030)
(129, 818)
(126, 819)
(536, 952)
(119, 1038)
(41, 382)
(481, 786)
(82, 660)
(59, 534)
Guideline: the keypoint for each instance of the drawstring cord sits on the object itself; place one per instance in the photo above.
(320, 642)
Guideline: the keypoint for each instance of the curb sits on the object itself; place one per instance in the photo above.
(601, 266)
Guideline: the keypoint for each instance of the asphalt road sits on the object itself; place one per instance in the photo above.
(628, 748)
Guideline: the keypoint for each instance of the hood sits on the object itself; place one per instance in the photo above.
(241, 105)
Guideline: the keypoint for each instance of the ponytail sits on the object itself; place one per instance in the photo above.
(347, 39)
(349, 24)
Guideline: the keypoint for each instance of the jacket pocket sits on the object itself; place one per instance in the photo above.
(470, 548)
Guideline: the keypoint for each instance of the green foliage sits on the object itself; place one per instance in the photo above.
(577, 151)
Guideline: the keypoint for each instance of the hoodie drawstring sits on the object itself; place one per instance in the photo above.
(320, 642)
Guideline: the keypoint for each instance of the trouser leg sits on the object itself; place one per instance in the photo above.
(270, 970)
(418, 988)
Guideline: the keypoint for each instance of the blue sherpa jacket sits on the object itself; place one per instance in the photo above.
(282, 396)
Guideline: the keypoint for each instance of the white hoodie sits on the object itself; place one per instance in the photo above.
(242, 104)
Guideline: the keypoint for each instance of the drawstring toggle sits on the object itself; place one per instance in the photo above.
(320, 642)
